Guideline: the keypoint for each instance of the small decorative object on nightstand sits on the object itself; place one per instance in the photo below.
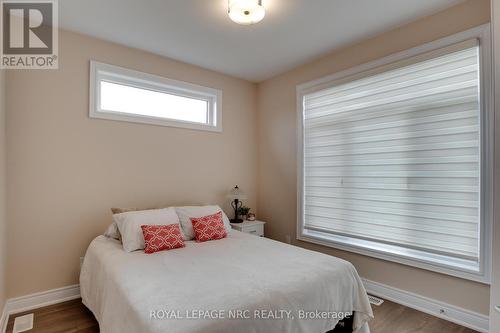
(243, 212)
(250, 227)
(236, 195)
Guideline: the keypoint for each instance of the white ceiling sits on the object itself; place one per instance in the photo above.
(200, 32)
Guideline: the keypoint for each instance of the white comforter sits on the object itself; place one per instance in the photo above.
(199, 288)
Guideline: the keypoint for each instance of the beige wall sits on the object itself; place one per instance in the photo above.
(3, 227)
(66, 170)
(277, 151)
(495, 283)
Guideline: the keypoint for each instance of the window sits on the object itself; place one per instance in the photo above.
(395, 158)
(122, 94)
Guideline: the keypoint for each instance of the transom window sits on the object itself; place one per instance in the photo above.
(395, 163)
(122, 94)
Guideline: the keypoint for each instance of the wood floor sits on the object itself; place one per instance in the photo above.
(74, 317)
(70, 316)
(394, 318)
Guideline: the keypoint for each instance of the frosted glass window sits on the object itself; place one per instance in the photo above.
(126, 95)
(121, 98)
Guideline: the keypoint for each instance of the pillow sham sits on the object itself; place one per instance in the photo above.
(129, 224)
(162, 237)
(123, 210)
(126, 210)
(187, 212)
(112, 231)
(209, 227)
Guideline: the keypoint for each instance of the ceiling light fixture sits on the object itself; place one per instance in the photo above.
(246, 11)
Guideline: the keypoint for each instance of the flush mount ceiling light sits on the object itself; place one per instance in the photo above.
(246, 11)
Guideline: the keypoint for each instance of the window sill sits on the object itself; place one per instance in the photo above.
(139, 119)
(461, 268)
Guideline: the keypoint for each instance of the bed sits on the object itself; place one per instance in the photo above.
(242, 283)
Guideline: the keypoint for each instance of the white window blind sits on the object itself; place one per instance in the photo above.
(395, 157)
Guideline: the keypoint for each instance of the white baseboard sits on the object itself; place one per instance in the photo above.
(455, 314)
(37, 300)
(3, 320)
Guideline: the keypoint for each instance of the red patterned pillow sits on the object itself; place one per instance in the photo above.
(209, 227)
(162, 237)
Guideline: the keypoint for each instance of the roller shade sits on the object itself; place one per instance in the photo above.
(394, 157)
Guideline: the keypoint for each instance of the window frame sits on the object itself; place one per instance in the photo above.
(420, 259)
(119, 75)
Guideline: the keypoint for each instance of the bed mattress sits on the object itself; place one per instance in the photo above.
(242, 283)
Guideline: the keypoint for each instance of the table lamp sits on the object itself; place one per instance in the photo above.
(236, 195)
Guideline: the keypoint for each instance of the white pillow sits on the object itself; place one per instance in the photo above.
(130, 223)
(112, 231)
(186, 213)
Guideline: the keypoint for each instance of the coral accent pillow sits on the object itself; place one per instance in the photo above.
(162, 237)
(209, 227)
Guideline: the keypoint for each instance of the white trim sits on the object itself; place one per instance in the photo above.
(441, 264)
(3, 320)
(37, 300)
(455, 314)
(483, 271)
(138, 79)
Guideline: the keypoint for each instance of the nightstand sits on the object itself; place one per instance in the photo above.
(250, 227)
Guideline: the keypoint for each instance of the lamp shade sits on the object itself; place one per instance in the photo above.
(246, 11)
(236, 193)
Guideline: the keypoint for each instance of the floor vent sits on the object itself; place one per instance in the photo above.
(375, 300)
(23, 323)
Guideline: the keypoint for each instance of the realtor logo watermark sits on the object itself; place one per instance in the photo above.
(29, 33)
